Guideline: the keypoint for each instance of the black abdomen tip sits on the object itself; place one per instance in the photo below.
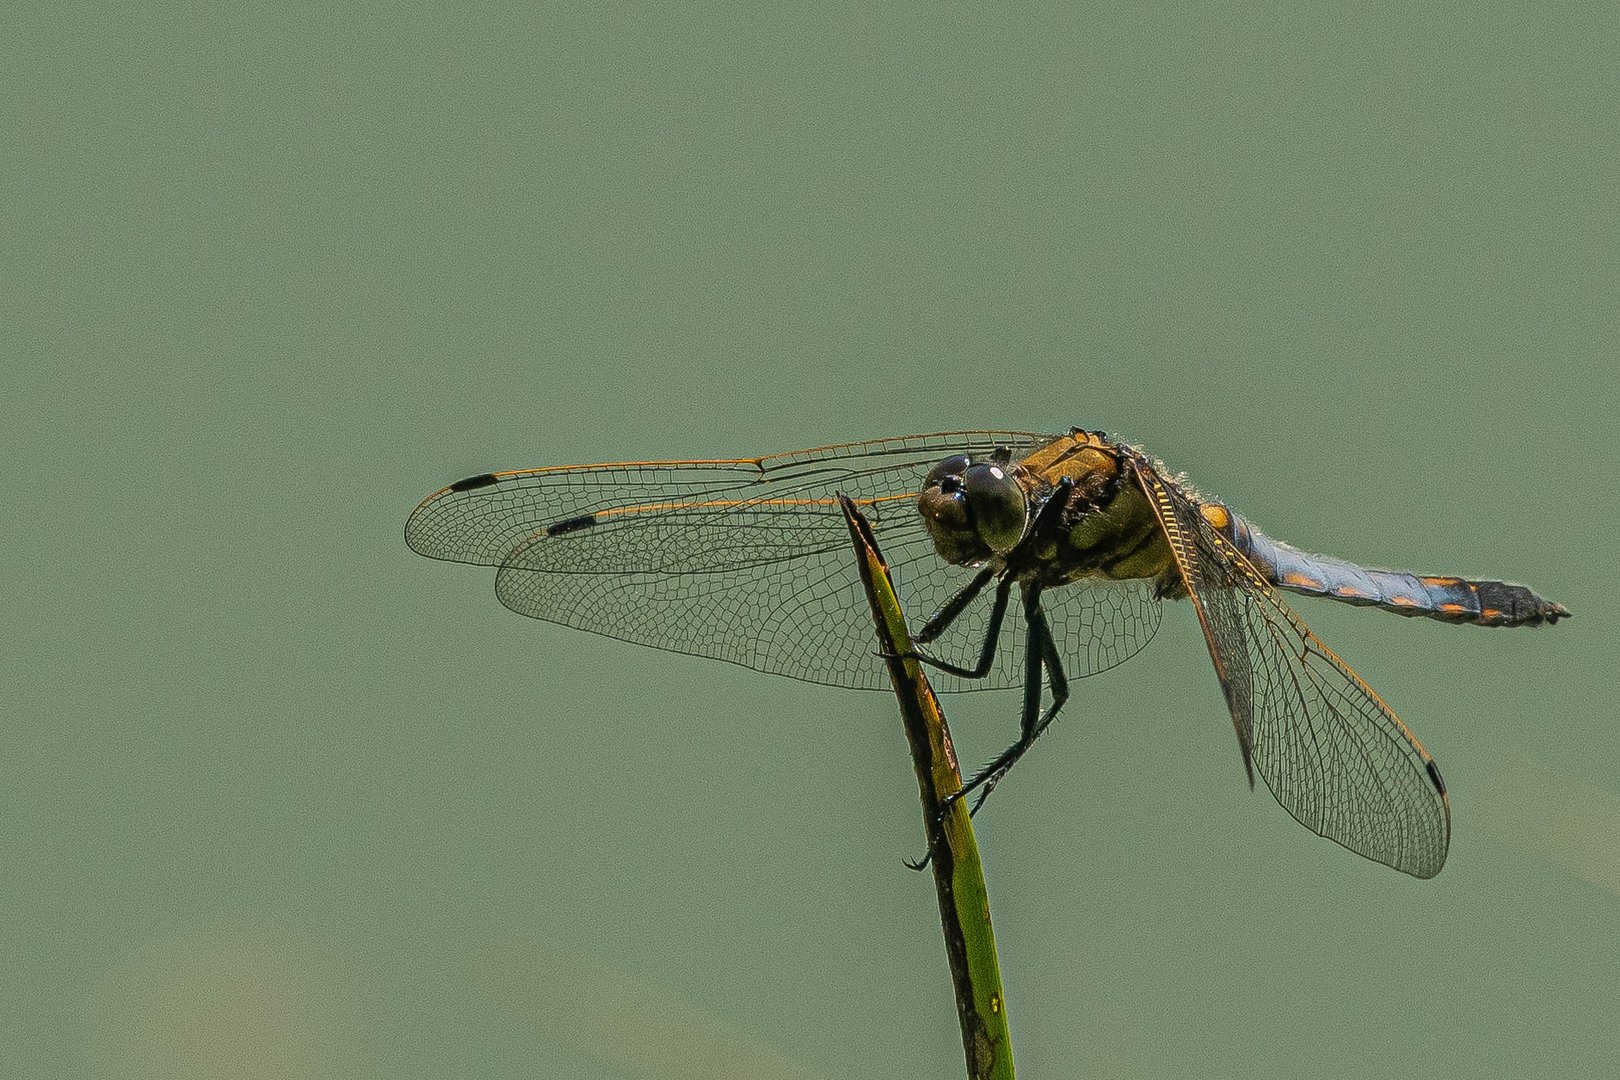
(481, 480)
(1504, 604)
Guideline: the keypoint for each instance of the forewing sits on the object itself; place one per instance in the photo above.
(1329, 749)
(743, 560)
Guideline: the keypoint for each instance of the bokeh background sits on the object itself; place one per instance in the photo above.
(280, 798)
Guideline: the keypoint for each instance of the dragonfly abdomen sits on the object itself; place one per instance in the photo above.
(1450, 599)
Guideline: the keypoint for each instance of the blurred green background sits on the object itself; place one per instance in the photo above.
(282, 799)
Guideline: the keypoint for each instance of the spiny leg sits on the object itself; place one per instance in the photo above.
(1040, 652)
(987, 655)
(946, 615)
(987, 652)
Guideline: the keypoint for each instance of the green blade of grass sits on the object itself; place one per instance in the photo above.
(964, 904)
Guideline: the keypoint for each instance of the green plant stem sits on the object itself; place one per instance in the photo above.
(964, 904)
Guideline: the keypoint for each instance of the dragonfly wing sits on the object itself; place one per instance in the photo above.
(741, 560)
(1334, 755)
(1096, 624)
(797, 616)
(1099, 624)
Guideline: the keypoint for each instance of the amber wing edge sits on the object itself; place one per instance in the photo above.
(964, 905)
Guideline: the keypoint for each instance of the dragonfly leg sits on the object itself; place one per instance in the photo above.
(954, 607)
(987, 652)
(1041, 653)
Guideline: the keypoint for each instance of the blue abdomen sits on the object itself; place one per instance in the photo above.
(1452, 599)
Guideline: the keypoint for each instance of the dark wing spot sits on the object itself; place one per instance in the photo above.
(481, 480)
(573, 524)
(1435, 777)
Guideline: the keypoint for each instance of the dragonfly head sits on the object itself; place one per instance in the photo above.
(973, 509)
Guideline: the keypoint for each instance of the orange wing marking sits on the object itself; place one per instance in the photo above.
(727, 504)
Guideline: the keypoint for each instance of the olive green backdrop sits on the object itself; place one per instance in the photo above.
(280, 798)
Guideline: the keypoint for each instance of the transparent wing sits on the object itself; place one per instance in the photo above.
(1096, 624)
(1329, 749)
(748, 560)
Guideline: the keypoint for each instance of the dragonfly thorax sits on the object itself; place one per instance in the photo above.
(974, 510)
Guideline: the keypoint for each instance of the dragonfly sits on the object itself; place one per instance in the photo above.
(747, 560)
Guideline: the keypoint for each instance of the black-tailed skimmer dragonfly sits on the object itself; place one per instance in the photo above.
(748, 560)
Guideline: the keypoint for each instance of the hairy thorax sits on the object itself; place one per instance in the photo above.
(1108, 528)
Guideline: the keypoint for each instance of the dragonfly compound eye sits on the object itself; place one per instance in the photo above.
(943, 504)
(952, 466)
(996, 505)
